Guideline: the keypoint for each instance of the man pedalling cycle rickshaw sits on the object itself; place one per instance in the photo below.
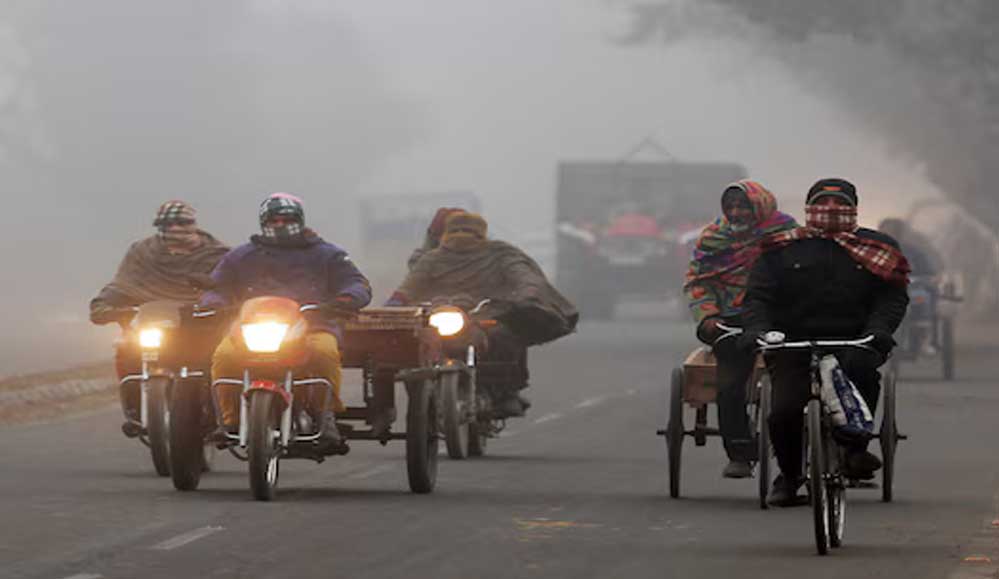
(694, 384)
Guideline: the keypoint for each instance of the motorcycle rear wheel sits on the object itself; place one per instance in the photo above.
(187, 449)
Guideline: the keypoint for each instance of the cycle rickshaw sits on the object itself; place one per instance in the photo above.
(694, 385)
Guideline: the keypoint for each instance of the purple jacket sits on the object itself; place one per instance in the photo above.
(312, 272)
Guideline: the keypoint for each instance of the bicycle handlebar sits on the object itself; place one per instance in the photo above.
(862, 343)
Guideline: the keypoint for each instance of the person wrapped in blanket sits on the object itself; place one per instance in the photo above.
(159, 267)
(715, 287)
(290, 260)
(529, 310)
(435, 231)
(829, 279)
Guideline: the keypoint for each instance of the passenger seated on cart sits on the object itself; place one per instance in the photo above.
(715, 287)
(288, 260)
(158, 267)
(829, 279)
(468, 263)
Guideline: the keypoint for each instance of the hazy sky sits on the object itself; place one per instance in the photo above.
(342, 99)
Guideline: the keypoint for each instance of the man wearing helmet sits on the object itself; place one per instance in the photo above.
(287, 259)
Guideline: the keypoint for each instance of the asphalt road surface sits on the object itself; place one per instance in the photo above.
(577, 489)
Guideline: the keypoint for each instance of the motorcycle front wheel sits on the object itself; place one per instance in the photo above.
(158, 427)
(263, 449)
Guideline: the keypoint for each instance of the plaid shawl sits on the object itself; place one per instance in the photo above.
(150, 272)
(878, 257)
(719, 269)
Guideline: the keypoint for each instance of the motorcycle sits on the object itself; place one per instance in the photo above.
(471, 378)
(928, 328)
(396, 343)
(168, 363)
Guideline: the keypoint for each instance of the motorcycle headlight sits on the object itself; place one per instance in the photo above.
(150, 338)
(448, 322)
(264, 337)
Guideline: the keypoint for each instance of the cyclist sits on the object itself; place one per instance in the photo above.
(829, 279)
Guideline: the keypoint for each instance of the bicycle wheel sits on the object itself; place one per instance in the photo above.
(763, 439)
(837, 514)
(888, 438)
(816, 476)
(674, 431)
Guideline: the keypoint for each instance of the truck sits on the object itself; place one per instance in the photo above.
(625, 229)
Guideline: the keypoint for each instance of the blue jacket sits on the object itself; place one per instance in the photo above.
(310, 272)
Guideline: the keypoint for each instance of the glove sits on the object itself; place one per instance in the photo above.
(707, 330)
(883, 342)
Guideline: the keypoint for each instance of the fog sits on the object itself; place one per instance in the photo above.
(109, 107)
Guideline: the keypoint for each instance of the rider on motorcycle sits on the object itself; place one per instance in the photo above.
(715, 287)
(288, 260)
(434, 233)
(927, 268)
(467, 263)
(159, 267)
(829, 279)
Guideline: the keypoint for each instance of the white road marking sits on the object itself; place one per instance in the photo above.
(591, 402)
(372, 471)
(548, 418)
(186, 538)
(85, 576)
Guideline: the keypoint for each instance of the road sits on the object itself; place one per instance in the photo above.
(577, 489)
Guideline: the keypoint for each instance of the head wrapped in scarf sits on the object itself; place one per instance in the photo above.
(832, 218)
(177, 227)
(464, 231)
(838, 223)
(435, 231)
(282, 205)
(719, 271)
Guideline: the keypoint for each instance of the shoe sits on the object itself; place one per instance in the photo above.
(382, 421)
(330, 442)
(131, 428)
(860, 465)
(524, 402)
(737, 469)
(220, 436)
(783, 494)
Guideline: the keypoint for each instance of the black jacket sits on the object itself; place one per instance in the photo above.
(813, 289)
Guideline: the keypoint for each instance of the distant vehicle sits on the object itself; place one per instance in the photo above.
(393, 225)
(625, 229)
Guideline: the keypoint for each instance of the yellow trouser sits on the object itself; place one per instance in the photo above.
(324, 362)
